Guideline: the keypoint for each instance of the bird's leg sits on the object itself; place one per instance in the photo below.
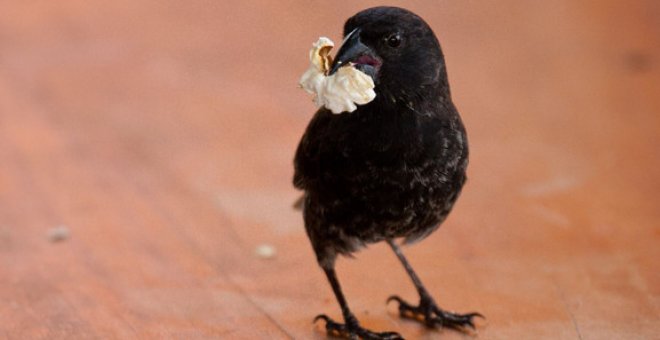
(351, 328)
(427, 311)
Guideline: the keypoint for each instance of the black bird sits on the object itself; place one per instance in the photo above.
(391, 169)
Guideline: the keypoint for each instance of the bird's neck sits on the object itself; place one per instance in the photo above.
(422, 100)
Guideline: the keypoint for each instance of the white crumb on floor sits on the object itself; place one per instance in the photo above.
(59, 233)
(265, 251)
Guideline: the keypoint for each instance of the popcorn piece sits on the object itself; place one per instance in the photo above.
(340, 91)
(265, 251)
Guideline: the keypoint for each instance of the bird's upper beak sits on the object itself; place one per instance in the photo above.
(354, 52)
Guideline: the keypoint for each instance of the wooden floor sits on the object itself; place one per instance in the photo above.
(160, 136)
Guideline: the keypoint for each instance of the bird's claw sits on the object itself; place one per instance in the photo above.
(352, 330)
(432, 316)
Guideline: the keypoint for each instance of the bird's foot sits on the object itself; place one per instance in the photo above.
(432, 316)
(352, 330)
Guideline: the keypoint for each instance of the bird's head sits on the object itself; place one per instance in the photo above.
(396, 48)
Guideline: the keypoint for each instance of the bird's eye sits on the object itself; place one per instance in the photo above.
(393, 40)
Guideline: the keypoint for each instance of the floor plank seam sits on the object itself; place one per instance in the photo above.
(562, 296)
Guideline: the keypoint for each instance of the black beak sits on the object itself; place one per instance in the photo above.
(351, 51)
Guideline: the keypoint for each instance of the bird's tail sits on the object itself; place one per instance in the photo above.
(298, 204)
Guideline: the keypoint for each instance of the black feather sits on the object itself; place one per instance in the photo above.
(395, 166)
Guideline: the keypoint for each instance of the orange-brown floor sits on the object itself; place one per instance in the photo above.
(161, 134)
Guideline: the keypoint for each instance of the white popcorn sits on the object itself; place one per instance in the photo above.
(340, 91)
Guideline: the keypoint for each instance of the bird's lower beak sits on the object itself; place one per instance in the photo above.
(354, 52)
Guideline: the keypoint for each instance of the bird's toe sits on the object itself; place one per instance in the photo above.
(353, 330)
(430, 315)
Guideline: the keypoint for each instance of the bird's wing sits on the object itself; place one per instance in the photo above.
(306, 162)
